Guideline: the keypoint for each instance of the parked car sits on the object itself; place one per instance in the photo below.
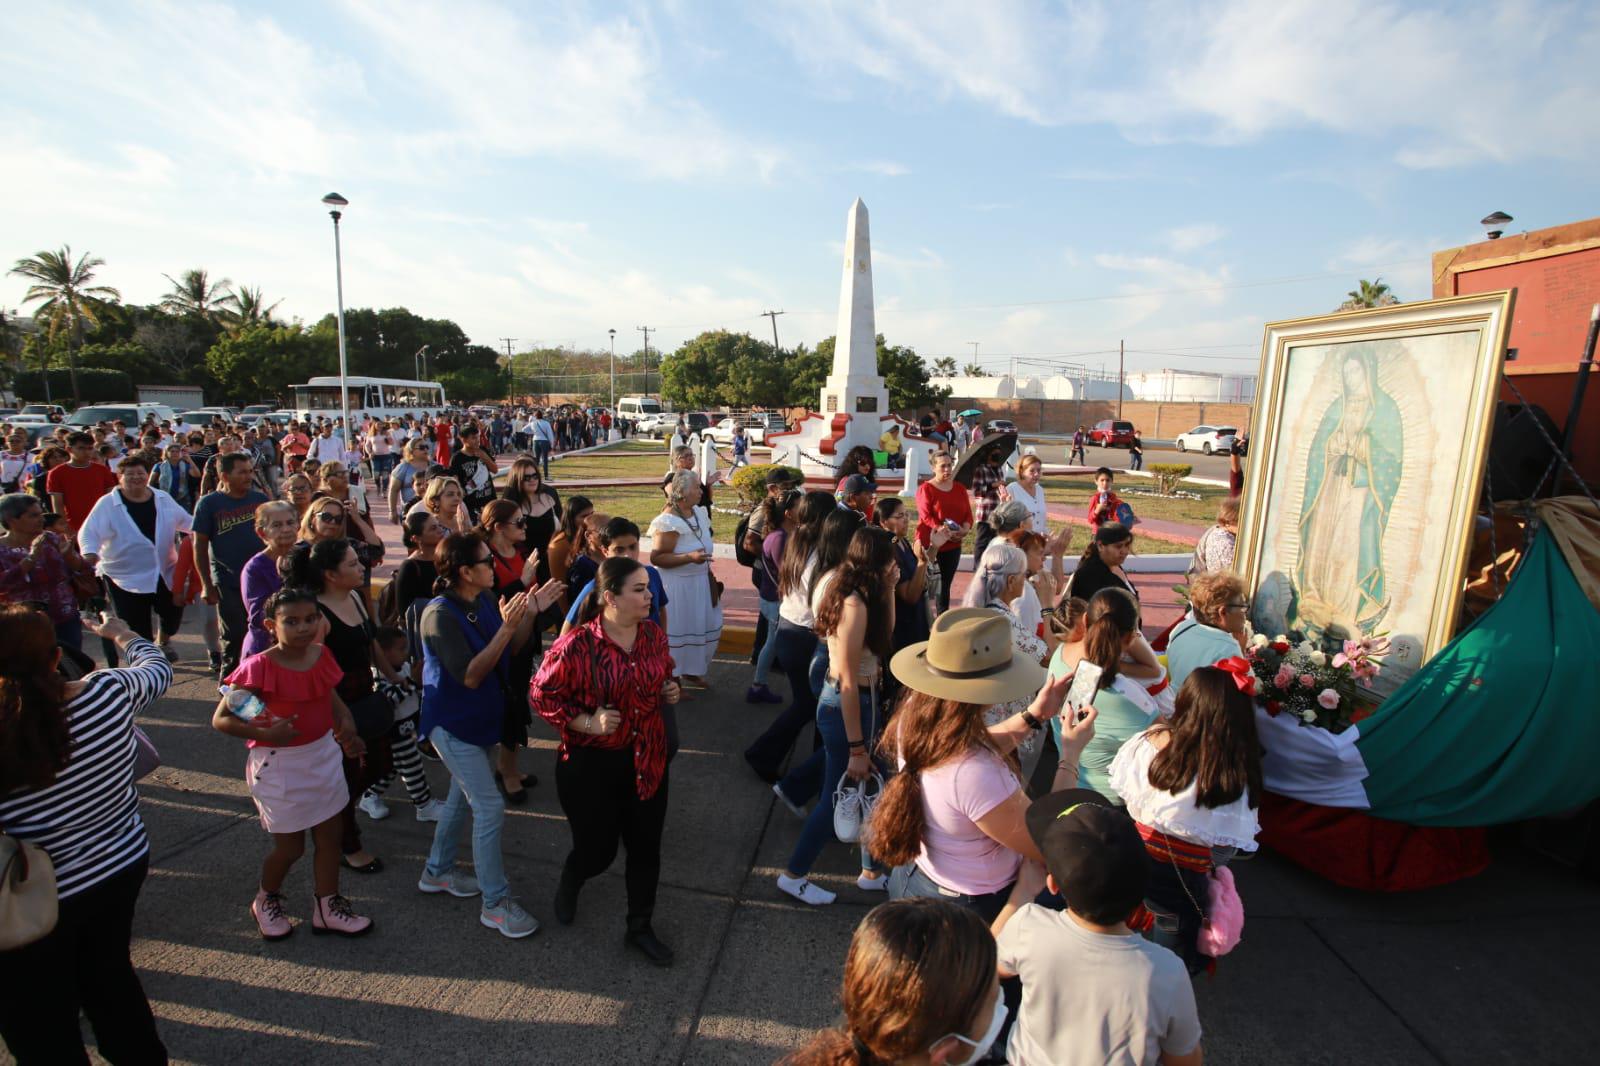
(201, 415)
(756, 427)
(1208, 439)
(51, 412)
(999, 425)
(697, 421)
(1112, 433)
(131, 414)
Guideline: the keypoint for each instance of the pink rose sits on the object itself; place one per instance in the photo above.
(1328, 699)
(1307, 681)
(1284, 678)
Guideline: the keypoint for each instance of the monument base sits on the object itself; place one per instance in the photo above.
(818, 443)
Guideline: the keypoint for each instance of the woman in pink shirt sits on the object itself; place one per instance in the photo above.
(951, 823)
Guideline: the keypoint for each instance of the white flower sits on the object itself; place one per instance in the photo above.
(1319, 659)
(1259, 641)
(1280, 639)
(1308, 716)
(1306, 647)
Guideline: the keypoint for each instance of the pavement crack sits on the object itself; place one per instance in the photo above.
(1416, 1034)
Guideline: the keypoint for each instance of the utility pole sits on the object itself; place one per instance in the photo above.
(774, 316)
(511, 367)
(1122, 352)
(646, 330)
(974, 352)
(613, 334)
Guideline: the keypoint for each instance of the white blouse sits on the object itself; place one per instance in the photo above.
(1176, 813)
(694, 534)
(1032, 646)
(1034, 504)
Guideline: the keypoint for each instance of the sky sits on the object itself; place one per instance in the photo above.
(1045, 180)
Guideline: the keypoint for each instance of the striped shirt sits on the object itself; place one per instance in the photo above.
(88, 819)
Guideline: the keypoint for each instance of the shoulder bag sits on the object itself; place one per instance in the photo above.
(28, 903)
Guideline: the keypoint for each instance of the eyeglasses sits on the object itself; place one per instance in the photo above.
(530, 477)
(329, 516)
(1239, 606)
(483, 562)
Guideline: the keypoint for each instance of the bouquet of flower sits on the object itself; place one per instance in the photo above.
(1305, 681)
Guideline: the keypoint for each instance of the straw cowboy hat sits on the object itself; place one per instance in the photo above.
(969, 657)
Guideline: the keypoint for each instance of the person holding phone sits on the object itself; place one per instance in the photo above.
(943, 501)
(603, 687)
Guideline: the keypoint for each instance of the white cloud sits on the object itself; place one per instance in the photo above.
(1188, 238)
(1418, 77)
(882, 167)
(1406, 264)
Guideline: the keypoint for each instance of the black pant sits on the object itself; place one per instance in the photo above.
(83, 964)
(136, 608)
(601, 801)
(763, 634)
(949, 563)
(232, 615)
(360, 775)
(796, 645)
(985, 533)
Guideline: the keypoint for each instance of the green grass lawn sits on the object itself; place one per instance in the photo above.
(1074, 493)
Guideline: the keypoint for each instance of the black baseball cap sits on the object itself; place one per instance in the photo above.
(779, 475)
(1093, 850)
(859, 483)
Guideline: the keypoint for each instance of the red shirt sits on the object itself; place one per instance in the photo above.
(586, 670)
(935, 507)
(1103, 508)
(80, 487)
(296, 444)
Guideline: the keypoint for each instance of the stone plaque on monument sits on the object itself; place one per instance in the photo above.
(866, 404)
(831, 402)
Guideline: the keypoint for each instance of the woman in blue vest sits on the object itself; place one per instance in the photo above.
(467, 642)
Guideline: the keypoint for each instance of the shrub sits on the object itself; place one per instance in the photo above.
(95, 385)
(1168, 475)
(750, 482)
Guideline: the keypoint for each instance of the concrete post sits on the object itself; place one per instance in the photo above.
(708, 459)
(908, 488)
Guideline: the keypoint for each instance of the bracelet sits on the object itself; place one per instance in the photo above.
(1031, 721)
(862, 744)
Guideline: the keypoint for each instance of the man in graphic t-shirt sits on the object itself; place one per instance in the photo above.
(475, 469)
(224, 540)
(75, 486)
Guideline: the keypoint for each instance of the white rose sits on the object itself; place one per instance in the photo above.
(1306, 647)
(1259, 641)
(1319, 659)
(1308, 716)
(1280, 639)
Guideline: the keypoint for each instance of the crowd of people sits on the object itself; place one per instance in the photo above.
(1020, 838)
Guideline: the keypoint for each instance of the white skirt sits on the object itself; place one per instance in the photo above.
(297, 788)
(694, 626)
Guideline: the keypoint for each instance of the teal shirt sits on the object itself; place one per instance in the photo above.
(1118, 720)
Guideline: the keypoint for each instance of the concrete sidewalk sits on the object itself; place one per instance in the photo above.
(1499, 969)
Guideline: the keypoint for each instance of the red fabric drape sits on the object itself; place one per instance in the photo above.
(1354, 849)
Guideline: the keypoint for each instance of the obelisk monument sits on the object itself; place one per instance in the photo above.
(855, 387)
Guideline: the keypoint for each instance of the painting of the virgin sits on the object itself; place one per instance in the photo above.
(1367, 452)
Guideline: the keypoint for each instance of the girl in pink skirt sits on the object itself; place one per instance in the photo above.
(283, 703)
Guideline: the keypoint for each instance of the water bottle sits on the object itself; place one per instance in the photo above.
(243, 704)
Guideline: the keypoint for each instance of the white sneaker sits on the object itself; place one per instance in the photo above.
(783, 798)
(873, 884)
(373, 808)
(805, 891)
(430, 811)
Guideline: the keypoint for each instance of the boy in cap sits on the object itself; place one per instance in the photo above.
(1092, 990)
(857, 492)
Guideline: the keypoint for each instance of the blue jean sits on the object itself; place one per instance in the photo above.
(818, 829)
(769, 649)
(909, 880)
(472, 785)
(541, 455)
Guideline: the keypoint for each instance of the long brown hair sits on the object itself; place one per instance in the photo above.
(1113, 614)
(925, 732)
(612, 575)
(1213, 742)
(866, 561)
(917, 970)
(802, 540)
(35, 743)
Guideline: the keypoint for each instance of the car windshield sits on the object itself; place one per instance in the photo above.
(88, 416)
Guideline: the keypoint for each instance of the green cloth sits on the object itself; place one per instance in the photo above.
(1504, 723)
(1118, 720)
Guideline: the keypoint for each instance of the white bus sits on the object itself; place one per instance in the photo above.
(380, 397)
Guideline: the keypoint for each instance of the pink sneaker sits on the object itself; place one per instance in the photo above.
(333, 914)
(267, 909)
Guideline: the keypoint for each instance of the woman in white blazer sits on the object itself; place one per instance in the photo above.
(131, 538)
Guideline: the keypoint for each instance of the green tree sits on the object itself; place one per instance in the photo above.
(68, 299)
(973, 370)
(1374, 293)
(808, 372)
(247, 307)
(261, 360)
(474, 384)
(903, 370)
(194, 293)
(384, 343)
(945, 366)
(718, 367)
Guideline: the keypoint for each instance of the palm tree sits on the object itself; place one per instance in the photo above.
(945, 366)
(973, 370)
(194, 294)
(1372, 293)
(247, 307)
(69, 298)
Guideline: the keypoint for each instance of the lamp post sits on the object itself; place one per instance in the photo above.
(1495, 224)
(416, 367)
(335, 202)
(613, 334)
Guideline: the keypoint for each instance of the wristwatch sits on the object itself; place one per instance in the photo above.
(1033, 723)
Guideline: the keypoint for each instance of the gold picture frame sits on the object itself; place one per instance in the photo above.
(1367, 450)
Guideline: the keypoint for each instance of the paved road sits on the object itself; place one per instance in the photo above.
(1499, 969)
(1056, 449)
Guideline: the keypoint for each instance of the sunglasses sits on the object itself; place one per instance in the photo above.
(483, 562)
(329, 516)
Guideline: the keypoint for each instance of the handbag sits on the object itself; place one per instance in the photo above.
(146, 759)
(852, 805)
(28, 903)
(1224, 924)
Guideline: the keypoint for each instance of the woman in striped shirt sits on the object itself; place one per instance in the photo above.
(66, 784)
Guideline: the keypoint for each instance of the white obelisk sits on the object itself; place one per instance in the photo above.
(855, 387)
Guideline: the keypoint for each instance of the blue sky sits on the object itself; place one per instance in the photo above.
(1044, 179)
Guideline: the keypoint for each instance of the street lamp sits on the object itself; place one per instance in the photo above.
(336, 202)
(422, 354)
(613, 371)
(1494, 225)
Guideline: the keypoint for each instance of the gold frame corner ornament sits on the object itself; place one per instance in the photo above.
(1488, 313)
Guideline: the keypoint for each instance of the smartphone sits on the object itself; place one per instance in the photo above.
(952, 526)
(1085, 683)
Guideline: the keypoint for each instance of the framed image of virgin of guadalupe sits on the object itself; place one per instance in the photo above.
(1367, 449)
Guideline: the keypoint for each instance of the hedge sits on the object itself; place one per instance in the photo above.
(750, 482)
(95, 385)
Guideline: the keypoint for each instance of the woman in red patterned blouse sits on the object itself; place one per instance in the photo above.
(602, 686)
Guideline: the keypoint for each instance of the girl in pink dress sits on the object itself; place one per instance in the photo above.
(284, 704)
(441, 435)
